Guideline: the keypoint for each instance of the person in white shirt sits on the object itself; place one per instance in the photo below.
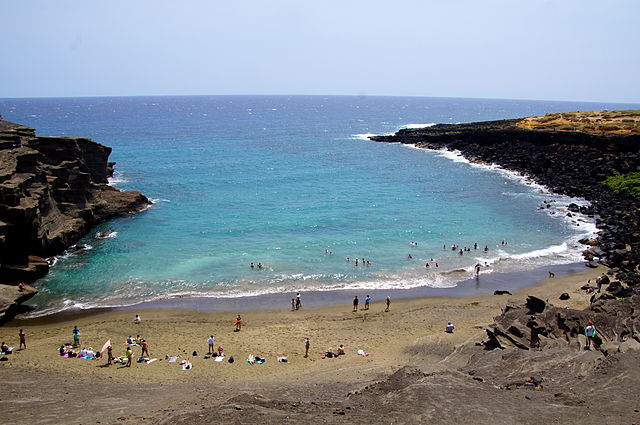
(212, 342)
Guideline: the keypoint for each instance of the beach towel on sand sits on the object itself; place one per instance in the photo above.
(219, 359)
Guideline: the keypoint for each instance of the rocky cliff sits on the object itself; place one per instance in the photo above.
(52, 190)
(573, 163)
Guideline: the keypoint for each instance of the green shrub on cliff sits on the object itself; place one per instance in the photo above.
(624, 183)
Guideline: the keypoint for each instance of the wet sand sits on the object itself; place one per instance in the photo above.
(39, 379)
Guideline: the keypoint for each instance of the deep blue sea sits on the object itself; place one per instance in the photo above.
(281, 180)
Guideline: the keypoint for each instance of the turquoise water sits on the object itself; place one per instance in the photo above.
(281, 179)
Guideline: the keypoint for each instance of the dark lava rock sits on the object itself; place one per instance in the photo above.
(564, 296)
(501, 292)
(52, 190)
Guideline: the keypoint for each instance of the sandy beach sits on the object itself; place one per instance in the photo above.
(410, 333)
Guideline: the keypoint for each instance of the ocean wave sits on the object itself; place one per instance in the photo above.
(413, 126)
(116, 179)
(364, 136)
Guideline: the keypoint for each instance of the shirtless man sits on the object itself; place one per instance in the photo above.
(23, 339)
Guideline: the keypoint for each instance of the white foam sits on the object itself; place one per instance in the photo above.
(116, 179)
(364, 136)
(413, 126)
(106, 235)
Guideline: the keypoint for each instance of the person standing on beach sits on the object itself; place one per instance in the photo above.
(388, 303)
(212, 342)
(145, 347)
(355, 303)
(307, 344)
(238, 323)
(367, 301)
(293, 304)
(298, 301)
(23, 339)
(109, 355)
(76, 336)
(129, 355)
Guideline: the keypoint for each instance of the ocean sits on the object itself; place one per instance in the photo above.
(293, 183)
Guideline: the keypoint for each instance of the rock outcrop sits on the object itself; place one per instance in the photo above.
(52, 190)
(570, 163)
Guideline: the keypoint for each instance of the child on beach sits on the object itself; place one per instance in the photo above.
(23, 339)
(76, 336)
(238, 323)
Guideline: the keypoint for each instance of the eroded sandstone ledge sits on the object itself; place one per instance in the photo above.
(52, 191)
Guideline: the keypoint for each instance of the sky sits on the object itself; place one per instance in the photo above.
(516, 49)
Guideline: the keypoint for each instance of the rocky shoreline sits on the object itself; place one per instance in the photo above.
(571, 163)
(52, 191)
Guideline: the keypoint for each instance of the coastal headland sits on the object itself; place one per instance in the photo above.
(517, 358)
(52, 191)
(590, 155)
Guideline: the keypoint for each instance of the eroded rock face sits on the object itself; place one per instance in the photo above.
(536, 324)
(52, 190)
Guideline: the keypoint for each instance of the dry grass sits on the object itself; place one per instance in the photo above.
(598, 122)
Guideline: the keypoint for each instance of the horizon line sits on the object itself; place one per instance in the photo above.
(315, 95)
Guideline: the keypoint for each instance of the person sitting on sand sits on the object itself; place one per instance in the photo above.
(62, 350)
(220, 351)
(449, 329)
(329, 353)
(129, 340)
(341, 351)
(137, 320)
(4, 348)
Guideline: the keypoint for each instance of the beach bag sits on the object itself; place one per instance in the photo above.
(231, 360)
